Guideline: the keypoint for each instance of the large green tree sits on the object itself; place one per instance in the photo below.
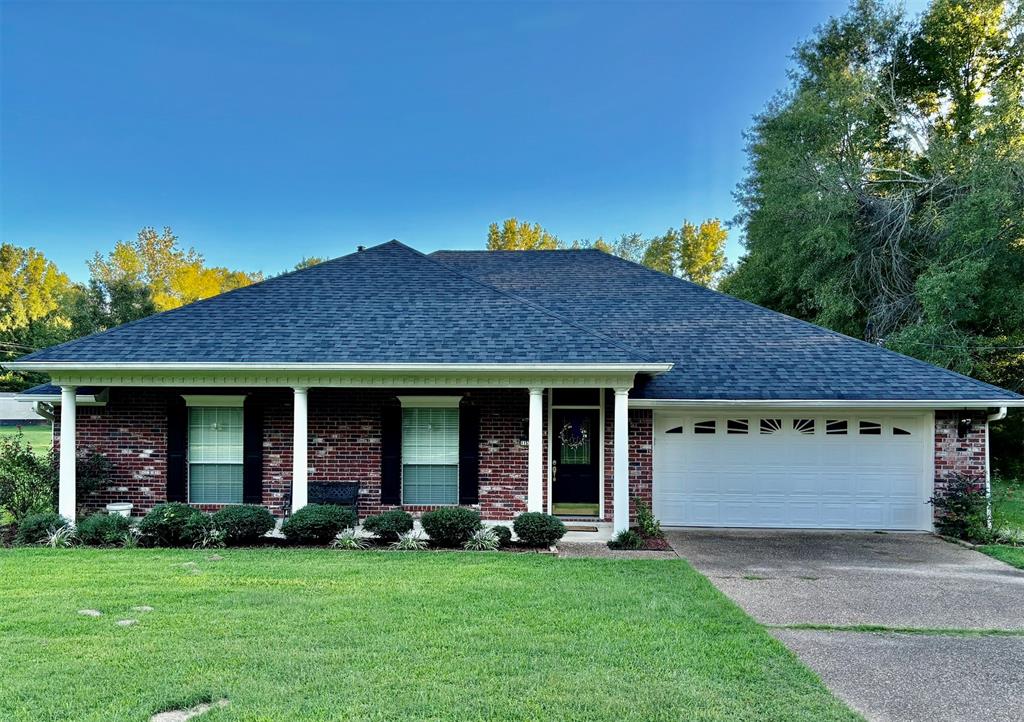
(694, 252)
(885, 196)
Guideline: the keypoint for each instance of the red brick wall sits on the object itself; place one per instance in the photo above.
(956, 456)
(344, 445)
(131, 431)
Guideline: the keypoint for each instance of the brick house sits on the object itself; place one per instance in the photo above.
(571, 382)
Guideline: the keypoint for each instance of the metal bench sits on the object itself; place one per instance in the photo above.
(340, 493)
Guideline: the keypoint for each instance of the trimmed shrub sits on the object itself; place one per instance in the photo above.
(174, 525)
(37, 528)
(504, 535)
(627, 539)
(317, 523)
(390, 525)
(243, 524)
(451, 526)
(962, 509)
(537, 529)
(101, 529)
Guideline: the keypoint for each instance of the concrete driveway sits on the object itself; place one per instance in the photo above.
(844, 579)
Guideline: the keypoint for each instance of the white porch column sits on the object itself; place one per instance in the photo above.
(66, 486)
(620, 470)
(300, 450)
(535, 458)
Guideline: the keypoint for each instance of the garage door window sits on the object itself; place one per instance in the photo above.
(870, 428)
(897, 431)
(737, 426)
(675, 430)
(804, 426)
(836, 427)
(704, 427)
(771, 426)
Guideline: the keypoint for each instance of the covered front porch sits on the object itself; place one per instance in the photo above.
(503, 442)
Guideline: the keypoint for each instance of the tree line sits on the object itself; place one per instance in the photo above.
(695, 252)
(41, 306)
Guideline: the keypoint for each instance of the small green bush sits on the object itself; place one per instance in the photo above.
(537, 529)
(504, 535)
(174, 525)
(102, 529)
(962, 509)
(646, 524)
(451, 526)
(317, 523)
(390, 525)
(37, 528)
(627, 539)
(243, 524)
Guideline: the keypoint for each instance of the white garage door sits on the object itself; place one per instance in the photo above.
(798, 470)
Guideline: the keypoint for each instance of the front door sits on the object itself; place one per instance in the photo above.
(575, 459)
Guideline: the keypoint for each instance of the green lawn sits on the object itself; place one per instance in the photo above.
(39, 436)
(1008, 502)
(331, 635)
(1007, 510)
(1008, 554)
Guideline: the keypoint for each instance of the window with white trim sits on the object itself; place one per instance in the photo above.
(215, 454)
(430, 454)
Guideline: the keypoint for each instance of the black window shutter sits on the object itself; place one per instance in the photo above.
(252, 451)
(391, 455)
(469, 454)
(177, 443)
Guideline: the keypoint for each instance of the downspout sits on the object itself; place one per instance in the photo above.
(997, 416)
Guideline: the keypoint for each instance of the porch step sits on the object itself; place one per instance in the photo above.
(577, 527)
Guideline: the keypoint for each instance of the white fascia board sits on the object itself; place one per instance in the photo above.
(80, 399)
(57, 366)
(939, 404)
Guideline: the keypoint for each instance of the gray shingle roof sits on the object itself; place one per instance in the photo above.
(723, 348)
(387, 304)
(392, 304)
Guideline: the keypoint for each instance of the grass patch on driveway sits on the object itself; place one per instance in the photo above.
(325, 635)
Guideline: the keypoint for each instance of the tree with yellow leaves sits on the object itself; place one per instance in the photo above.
(515, 235)
(174, 275)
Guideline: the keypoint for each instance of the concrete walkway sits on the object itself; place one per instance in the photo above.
(891, 580)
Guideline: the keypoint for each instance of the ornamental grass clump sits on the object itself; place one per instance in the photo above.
(349, 539)
(412, 541)
(483, 540)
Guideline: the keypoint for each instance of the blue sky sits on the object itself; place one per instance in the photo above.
(265, 132)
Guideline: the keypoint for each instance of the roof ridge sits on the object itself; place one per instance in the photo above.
(531, 303)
